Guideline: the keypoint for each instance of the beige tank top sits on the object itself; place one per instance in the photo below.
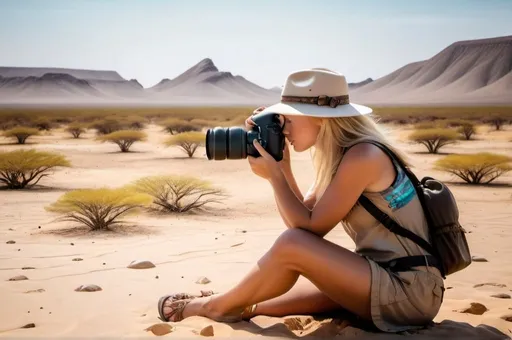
(401, 203)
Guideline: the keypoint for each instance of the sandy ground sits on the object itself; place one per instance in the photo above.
(221, 246)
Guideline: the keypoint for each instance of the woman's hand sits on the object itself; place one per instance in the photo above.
(264, 166)
(249, 123)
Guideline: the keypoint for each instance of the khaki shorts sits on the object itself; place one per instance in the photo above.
(404, 300)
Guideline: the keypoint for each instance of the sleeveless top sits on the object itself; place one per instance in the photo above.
(401, 203)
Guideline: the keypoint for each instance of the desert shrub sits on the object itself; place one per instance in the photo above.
(106, 126)
(75, 129)
(99, 209)
(25, 168)
(134, 122)
(178, 193)
(476, 168)
(188, 141)
(176, 126)
(434, 139)
(21, 133)
(237, 121)
(426, 125)
(454, 123)
(204, 123)
(43, 124)
(123, 138)
(496, 121)
(467, 129)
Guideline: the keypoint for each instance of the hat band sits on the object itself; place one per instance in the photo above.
(320, 100)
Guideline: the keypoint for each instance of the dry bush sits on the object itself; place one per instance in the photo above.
(467, 130)
(134, 123)
(178, 193)
(188, 141)
(43, 124)
(479, 168)
(496, 121)
(434, 139)
(204, 123)
(236, 121)
(25, 168)
(106, 126)
(176, 126)
(426, 125)
(21, 133)
(99, 209)
(76, 129)
(123, 138)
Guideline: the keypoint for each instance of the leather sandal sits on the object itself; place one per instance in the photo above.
(178, 297)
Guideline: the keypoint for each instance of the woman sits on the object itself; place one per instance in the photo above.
(316, 112)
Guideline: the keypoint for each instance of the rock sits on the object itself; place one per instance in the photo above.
(104, 263)
(298, 323)
(160, 329)
(29, 325)
(77, 259)
(501, 296)
(449, 287)
(478, 259)
(88, 288)
(11, 242)
(11, 229)
(207, 331)
(27, 268)
(203, 280)
(18, 278)
(237, 244)
(156, 277)
(40, 307)
(507, 317)
(40, 290)
(137, 264)
(474, 308)
(500, 285)
(39, 227)
(72, 243)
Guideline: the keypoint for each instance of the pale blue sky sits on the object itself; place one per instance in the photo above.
(261, 40)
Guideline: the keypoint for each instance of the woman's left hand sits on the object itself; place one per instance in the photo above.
(265, 166)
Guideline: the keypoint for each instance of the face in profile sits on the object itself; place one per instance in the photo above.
(300, 131)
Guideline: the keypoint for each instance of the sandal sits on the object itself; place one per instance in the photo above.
(178, 297)
(177, 309)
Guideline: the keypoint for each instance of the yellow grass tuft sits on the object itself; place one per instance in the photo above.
(434, 139)
(76, 129)
(123, 138)
(25, 168)
(483, 167)
(21, 133)
(99, 209)
(174, 193)
(188, 141)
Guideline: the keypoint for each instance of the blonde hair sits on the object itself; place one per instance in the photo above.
(335, 135)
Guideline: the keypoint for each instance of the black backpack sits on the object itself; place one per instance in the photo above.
(448, 245)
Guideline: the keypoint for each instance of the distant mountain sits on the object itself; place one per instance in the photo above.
(466, 72)
(352, 86)
(203, 82)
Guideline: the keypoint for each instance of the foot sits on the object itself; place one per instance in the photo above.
(177, 310)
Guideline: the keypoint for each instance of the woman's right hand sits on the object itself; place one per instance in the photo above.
(249, 123)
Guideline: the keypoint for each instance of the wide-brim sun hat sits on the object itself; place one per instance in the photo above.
(317, 92)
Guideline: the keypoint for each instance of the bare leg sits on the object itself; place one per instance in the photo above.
(342, 276)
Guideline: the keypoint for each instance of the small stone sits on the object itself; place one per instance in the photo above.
(138, 264)
(18, 278)
(216, 238)
(501, 296)
(11, 229)
(207, 331)
(478, 259)
(507, 317)
(39, 227)
(28, 312)
(72, 243)
(29, 325)
(160, 329)
(77, 259)
(156, 277)
(19, 249)
(143, 315)
(92, 241)
(10, 242)
(182, 277)
(27, 268)
(203, 280)
(449, 287)
(104, 263)
(500, 285)
(88, 288)
(474, 308)
(49, 312)
(130, 294)
(40, 307)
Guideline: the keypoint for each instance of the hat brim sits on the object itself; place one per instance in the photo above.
(300, 109)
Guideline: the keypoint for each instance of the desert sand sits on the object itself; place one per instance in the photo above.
(221, 245)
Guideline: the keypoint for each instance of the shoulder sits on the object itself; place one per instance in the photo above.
(366, 153)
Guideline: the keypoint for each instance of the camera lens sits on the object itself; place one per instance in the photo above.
(226, 143)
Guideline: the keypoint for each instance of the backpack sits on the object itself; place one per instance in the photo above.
(448, 245)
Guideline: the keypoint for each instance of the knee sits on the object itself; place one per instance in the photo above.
(290, 241)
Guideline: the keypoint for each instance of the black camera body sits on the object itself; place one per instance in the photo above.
(237, 143)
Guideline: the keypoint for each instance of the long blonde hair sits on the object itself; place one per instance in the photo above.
(335, 135)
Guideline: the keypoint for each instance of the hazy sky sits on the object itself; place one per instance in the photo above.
(261, 40)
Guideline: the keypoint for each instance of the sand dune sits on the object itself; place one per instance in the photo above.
(222, 245)
(466, 71)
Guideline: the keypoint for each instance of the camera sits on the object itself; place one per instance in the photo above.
(237, 143)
